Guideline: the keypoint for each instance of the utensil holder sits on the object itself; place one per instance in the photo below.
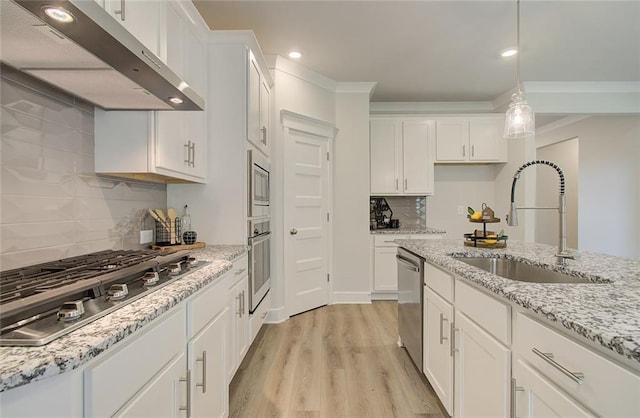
(165, 230)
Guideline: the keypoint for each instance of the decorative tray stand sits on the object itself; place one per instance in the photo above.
(479, 238)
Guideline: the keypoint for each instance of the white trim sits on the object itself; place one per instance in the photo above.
(429, 107)
(280, 63)
(276, 316)
(384, 296)
(350, 297)
(357, 87)
(300, 122)
(582, 87)
(569, 120)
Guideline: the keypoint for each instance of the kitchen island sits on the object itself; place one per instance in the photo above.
(606, 312)
(23, 365)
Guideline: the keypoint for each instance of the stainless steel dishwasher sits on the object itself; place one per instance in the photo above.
(410, 294)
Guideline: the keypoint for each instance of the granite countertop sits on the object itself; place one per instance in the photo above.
(606, 312)
(416, 231)
(22, 365)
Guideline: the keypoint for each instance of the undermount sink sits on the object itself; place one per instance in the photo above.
(515, 270)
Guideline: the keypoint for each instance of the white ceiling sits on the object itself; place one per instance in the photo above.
(443, 51)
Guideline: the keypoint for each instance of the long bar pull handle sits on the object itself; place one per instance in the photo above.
(453, 339)
(464, 153)
(243, 304)
(442, 321)
(577, 377)
(188, 381)
(187, 149)
(203, 359)
(264, 135)
(239, 311)
(473, 150)
(192, 154)
(396, 184)
(514, 389)
(405, 184)
(121, 12)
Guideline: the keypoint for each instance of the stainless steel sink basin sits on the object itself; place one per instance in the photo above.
(515, 270)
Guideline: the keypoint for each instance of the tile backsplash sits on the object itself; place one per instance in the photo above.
(410, 210)
(53, 205)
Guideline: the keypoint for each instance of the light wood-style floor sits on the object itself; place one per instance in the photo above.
(335, 361)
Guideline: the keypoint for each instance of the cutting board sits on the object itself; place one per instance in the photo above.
(179, 247)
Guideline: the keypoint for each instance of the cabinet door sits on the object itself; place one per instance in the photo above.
(385, 156)
(482, 372)
(416, 162)
(253, 111)
(535, 396)
(385, 278)
(174, 38)
(209, 386)
(171, 147)
(452, 140)
(264, 115)
(163, 396)
(140, 18)
(194, 59)
(238, 334)
(486, 140)
(438, 357)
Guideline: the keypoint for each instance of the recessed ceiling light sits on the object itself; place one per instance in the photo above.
(58, 13)
(295, 55)
(175, 100)
(509, 52)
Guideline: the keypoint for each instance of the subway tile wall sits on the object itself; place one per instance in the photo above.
(410, 210)
(53, 205)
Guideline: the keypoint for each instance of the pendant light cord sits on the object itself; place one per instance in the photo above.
(518, 45)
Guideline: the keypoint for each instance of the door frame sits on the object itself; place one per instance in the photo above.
(295, 121)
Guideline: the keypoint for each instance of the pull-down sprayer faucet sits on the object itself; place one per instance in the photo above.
(512, 217)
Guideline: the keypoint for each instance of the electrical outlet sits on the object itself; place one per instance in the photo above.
(460, 210)
(146, 236)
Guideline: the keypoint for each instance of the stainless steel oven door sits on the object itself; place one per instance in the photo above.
(259, 190)
(259, 269)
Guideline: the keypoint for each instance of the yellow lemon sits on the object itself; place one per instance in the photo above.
(490, 241)
(476, 216)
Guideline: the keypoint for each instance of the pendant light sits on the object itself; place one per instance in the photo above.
(520, 120)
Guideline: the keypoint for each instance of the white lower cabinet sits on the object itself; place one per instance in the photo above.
(437, 353)
(207, 375)
(535, 396)
(164, 396)
(482, 372)
(238, 341)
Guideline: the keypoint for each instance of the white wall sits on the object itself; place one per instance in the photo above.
(299, 91)
(609, 182)
(351, 246)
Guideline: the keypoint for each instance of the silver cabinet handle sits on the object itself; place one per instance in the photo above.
(577, 377)
(264, 315)
(239, 311)
(514, 389)
(188, 407)
(453, 339)
(293, 231)
(442, 321)
(192, 154)
(396, 184)
(463, 151)
(121, 12)
(203, 359)
(406, 184)
(242, 303)
(473, 150)
(264, 134)
(239, 272)
(187, 148)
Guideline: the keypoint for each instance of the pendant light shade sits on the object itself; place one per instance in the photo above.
(520, 119)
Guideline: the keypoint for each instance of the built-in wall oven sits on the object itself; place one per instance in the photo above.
(259, 191)
(259, 261)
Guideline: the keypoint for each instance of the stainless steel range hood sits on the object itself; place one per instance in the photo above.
(93, 57)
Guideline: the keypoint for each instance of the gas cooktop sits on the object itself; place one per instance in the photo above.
(43, 302)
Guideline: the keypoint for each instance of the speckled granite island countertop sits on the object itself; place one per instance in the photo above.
(22, 365)
(606, 313)
(415, 231)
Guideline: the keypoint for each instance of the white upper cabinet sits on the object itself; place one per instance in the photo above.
(401, 157)
(471, 140)
(162, 146)
(258, 107)
(141, 18)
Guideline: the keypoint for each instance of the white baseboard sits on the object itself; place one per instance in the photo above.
(350, 297)
(276, 316)
(384, 295)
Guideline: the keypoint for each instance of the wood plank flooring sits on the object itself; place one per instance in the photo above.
(335, 361)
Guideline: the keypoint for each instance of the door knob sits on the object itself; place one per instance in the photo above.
(293, 231)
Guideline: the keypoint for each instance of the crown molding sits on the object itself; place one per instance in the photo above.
(409, 108)
(280, 63)
(357, 87)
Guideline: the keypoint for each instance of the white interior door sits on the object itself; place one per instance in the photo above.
(306, 232)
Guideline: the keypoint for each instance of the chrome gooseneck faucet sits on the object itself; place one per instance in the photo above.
(512, 217)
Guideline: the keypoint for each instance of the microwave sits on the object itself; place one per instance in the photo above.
(258, 190)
